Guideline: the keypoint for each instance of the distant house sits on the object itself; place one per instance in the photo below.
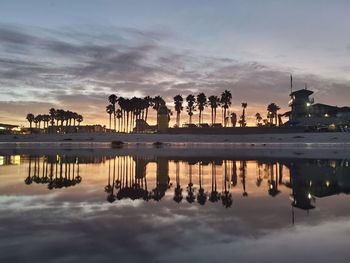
(305, 113)
(8, 128)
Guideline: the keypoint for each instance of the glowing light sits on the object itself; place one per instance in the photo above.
(308, 104)
(309, 196)
(326, 115)
(327, 183)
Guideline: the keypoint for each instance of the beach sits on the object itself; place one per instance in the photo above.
(303, 145)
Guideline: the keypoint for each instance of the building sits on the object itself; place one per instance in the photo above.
(8, 128)
(305, 113)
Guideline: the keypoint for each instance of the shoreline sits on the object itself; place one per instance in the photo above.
(296, 146)
(282, 138)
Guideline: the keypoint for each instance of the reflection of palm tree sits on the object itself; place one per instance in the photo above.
(202, 196)
(226, 196)
(178, 190)
(111, 197)
(234, 176)
(243, 169)
(214, 195)
(190, 191)
(108, 187)
(273, 183)
(259, 179)
(29, 180)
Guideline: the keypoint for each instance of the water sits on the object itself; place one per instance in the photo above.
(158, 208)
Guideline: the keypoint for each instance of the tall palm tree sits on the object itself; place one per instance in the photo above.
(178, 100)
(157, 102)
(113, 100)
(148, 104)
(243, 121)
(122, 106)
(79, 119)
(201, 103)
(258, 119)
(119, 117)
(272, 109)
(109, 110)
(30, 118)
(225, 101)
(214, 102)
(52, 113)
(190, 106)
(233, 119)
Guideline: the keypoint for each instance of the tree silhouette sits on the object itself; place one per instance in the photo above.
(233, 119)
(243, 121)
(225, 101)
(113, 100)
(178, 100)
(30, 118)
(258, 119)
(201, 103)
(214, 102)
(190, 106)
(272, 109)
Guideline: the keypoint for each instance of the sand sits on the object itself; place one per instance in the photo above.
(304, 145)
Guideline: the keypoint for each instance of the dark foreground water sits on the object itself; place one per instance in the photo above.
(67, 208)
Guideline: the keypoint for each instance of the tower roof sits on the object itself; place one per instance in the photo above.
(302, 92)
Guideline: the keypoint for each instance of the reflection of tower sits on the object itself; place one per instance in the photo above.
(162, 178)
(162, 171)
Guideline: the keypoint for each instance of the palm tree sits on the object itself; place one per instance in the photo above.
(243, 121)
(157, 102)
(148, 103)
(258, 119)
(233, 119)
(226, 98)
(214, 102)
(52, 113)
(109, 110)
(178, 100)
(113, 100)
(190, 106)
(30, 118)
(201, 103)
(272, 109)
(119, 116)
(79, 119)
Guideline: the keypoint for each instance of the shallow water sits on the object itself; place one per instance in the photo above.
(134, 208)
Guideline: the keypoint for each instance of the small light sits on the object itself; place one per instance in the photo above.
(326, 115)
(308, 104)
(327, 183)
(309, 196)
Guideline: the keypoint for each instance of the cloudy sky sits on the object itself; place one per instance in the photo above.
(73, 54)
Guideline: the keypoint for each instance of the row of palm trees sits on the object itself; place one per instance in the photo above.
(56, 118)
(126, 111)
(200, 102)
(130, 110)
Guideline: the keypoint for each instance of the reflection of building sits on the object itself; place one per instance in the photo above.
(10, 160)
(305, 113)
(317, 178)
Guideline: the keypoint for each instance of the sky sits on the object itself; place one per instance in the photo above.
(73, 54)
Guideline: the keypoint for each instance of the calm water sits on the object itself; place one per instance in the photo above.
(64, 208)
